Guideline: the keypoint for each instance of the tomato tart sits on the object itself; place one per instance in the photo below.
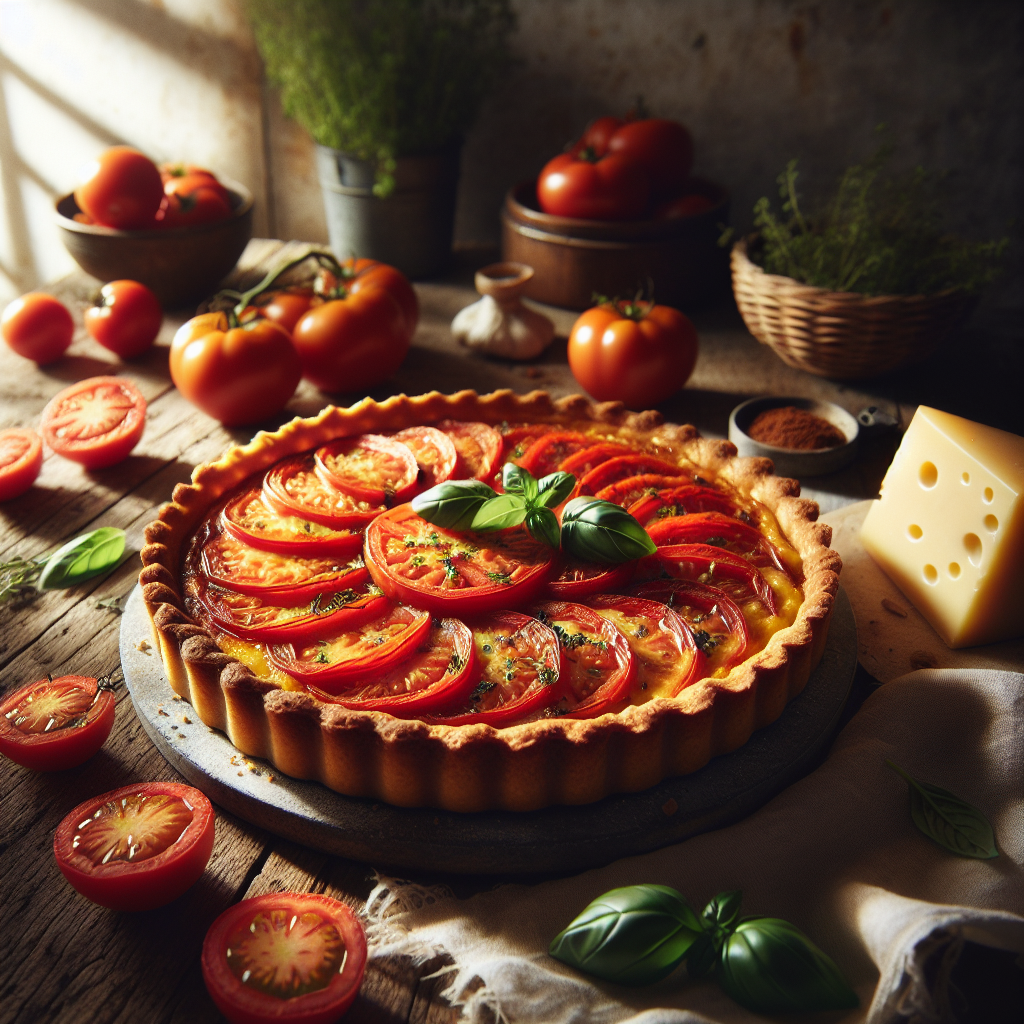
(305, 607)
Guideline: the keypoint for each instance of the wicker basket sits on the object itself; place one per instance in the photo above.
(842, 334)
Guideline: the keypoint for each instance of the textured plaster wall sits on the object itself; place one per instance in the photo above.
(757, 83)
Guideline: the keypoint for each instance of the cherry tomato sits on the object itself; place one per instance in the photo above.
(237, 375)
(56, 724)
(450, 573)
(284, 958)
(517, 672)
(96, 422)
(623, 467)
(21, 458)
(479, 447)
(435, 454)
(576, 580)
(126, 319)
(371, 467)
(663, 148)
(608, 188)
(636, 353)
(38, 327)
(121, 189)
(363, 273)
(295, 488)
(138, 847)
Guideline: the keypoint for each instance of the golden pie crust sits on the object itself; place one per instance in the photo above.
(477, 767)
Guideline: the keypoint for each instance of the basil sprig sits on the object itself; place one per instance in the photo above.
(80, 559)
(452, 504)
(949, 821)
(600, 531)
(639, 934)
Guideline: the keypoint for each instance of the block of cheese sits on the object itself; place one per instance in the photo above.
(948, 529)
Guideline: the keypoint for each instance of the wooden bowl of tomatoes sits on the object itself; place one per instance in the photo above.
(181, 265)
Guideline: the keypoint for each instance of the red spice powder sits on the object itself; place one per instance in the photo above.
(789, 427)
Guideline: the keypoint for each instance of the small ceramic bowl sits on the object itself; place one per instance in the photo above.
(180, 265)
(790, 461)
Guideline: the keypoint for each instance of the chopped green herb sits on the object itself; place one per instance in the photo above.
(547, 675)
(704, 640)
(455, 663)
(484, 686)
(641, 632)
(321, 657)
(499, 577)
(418, 560)
(449, 568)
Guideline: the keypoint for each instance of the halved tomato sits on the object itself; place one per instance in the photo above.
(250, 519)
(575, 580)
(611, 471)
(371, 467)
(719, 531)
(717, 567)
(517, 673)
(598, 667)
(435, 454)
(479, 447)
(667, 656)
(137, 847)
(357, 654)
(630, 490)
(284, 958)
(55, 724)
(461, 574)
(680, 501)
(294, 488)
(547, 453)
(21, 458)
(439, 674)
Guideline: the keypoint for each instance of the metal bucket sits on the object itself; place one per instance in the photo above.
(411, 229)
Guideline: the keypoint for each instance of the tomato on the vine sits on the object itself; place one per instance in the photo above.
(633, 352)
(663, 148)
(357, 274)
(121, 189)
(126, 318)
(21, 458)
(588, 187)
(286, 307)
(237, 375)
(138, 847)
(38, 327)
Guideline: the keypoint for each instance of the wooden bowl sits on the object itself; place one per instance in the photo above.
(574, 259)
(180, 265)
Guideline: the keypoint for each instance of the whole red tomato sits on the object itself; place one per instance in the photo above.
(663, 148)
(597, 134)
(37, 326)
(609, 188)
(364, 273)
(185, 184)
(121, 189)
(684, 206)
(632, 352)
(238, 375)
(126, 319)
(203, 205)
(286, 307)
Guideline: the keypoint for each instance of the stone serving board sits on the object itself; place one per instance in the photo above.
(556, 839)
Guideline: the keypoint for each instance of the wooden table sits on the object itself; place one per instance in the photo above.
(64, 959)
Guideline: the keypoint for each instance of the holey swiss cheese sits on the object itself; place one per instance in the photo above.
(949, 527)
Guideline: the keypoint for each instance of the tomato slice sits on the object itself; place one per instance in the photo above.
(578, 579)
(621, 467)
(680, 501)
(719, 531)
(284, 958)
(137, 847)
(517, 672)
(629, 491)
(588, 459)
(21, 458)
(598, 667)
(479, 447)
(459, 574)
(667, 656)
(718, 626)
(435, 454)
(294, 488)
(249, 519)
(55, 724)
(96, 422)
(440, 673)
(515, 442)
(356, 654)
(548, 452)
(371, 467)
(717, 567)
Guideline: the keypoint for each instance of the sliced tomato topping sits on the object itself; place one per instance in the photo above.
(435, 454)
(55, 724)
(621, 467)
(516, 441)
(717, 568)
(717, 623)
(517, 672)
(630, 490)
(356, 655)
(575, 580)
(440, 673)
(372, 468)
(250, 519)
(547, 453)
(461, 574)
(294, 488)
(598, 667)
(667, 656)
(680, 501)
(479, 447)
(720, 531)
(588, 459)
(138, 847)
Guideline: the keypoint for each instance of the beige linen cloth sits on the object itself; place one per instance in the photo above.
(836, 853)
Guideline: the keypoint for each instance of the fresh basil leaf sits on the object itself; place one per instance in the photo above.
(517, 480)
(723, 910)
(599, 531)
(554, 488)
(702, 956)
(499, 513)
(82, 558)
(769, 966)
(633, 936)
(452, 504)
(543, 526)
(949, 821)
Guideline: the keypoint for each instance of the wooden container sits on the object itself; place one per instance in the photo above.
(180, 265)
(843, 335)
(574, 259)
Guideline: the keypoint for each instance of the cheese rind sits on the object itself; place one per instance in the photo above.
(949, 527)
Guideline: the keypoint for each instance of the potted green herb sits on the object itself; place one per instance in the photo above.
(387, 88)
